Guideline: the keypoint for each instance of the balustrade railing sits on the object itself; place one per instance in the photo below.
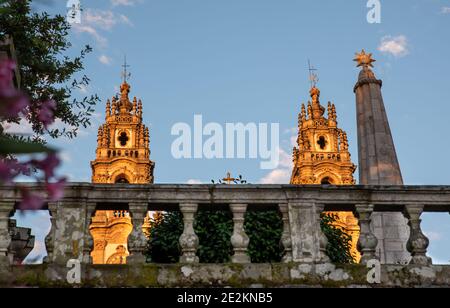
(300, 208)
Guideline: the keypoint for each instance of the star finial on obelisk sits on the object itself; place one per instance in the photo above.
(364, 59)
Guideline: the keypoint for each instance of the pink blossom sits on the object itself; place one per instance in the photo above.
(48, 165)
(56, 190)
(47, 113)
(31, 201)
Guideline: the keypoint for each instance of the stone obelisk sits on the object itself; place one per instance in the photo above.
(378, 163)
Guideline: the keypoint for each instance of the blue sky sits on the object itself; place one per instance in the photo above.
(246, 61)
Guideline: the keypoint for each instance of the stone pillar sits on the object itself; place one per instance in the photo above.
(188, 240)
(88, 244)
(302, 220)
(367, 242)
(6, 208)
(322, 239)
(69, 234)
(50, 238)
(418, 242)
(137, 241)
(286, 240)
(239, 239)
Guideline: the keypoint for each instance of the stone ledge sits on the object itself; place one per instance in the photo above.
(226, 275)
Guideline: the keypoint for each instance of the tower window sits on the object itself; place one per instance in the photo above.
(322, 142)
(123, 138)
(121, 179)
(326, 181)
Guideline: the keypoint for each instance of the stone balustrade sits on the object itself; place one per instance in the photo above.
(300, 208)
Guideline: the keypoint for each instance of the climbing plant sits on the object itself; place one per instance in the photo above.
(214, 230)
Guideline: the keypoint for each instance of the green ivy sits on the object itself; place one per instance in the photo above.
(163, 246)
(339, 242)
(264, 230)
(214, 230)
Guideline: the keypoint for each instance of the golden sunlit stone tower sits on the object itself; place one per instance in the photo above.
(123, 153)
(122, 156)
(322, 156)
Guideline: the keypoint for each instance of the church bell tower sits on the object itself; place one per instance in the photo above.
(122, 156)
(322, 155)
(123, 153)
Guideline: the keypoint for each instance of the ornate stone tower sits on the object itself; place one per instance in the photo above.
(122, 156)
(322, 156)
(378, 163)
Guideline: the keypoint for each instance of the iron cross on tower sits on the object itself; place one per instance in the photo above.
(125, 74)
(313, 78)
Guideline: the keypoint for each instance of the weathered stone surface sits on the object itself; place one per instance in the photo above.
(239, 239)
(6, 209)
(137, 240)
(189, 240)
(69, 239)
(226, 275)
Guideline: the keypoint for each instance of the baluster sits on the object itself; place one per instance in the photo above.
(137, 241)
(367, 241)
(286, 240)
(6, 208)
(189, 240)
(322, 238)
(239, 239)
(417, 243)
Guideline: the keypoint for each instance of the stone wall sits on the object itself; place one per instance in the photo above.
(226, 275)
(304, 243)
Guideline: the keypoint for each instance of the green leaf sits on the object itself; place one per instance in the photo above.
(8, 146)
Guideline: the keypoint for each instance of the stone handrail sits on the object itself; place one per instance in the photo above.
(300, 206)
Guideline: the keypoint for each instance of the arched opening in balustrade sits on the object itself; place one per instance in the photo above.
(264, 226)
(110, 228)
(29, 229)
(341, 228)
(163, 227)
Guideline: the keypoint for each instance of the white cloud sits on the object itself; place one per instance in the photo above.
(445, 10)
(281, 175)
(23, 128)
(105, 20)
(125, 20)
(94, 20)
(101, 40)
(277, 176)
(65, 156)
(194, 181)
(124, 2)
(397, 46)
(104, 59)
(83, 89)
